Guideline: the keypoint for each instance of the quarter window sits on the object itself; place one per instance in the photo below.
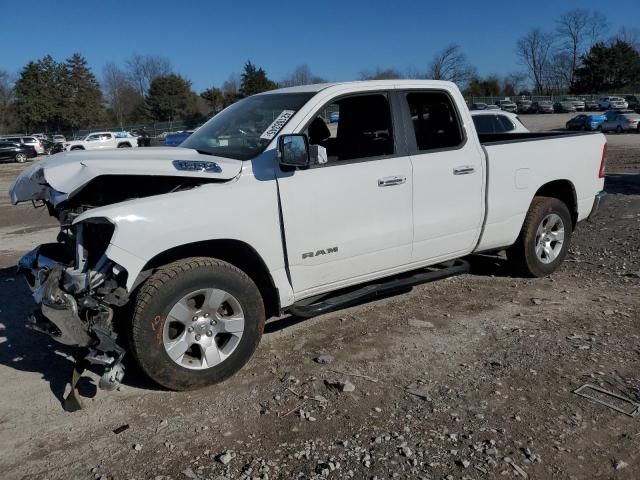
(435, 122)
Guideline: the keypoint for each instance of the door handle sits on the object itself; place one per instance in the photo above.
(464, 170)
(391, 181)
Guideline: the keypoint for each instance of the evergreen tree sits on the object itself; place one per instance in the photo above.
(254, 80)
(608, 68)
(170, 97)
(214, 98)
(84, 105)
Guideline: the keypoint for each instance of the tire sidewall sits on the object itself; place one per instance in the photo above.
(537, 267)
(149, 323)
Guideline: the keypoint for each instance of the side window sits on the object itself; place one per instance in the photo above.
(434, 119)
(354, 127)
(107, 136)
(93, 138)
(507, 125)
(484, 123)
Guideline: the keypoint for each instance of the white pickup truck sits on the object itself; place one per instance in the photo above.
(267, 210)
(99, 140)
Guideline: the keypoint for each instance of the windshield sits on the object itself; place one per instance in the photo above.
(244, 129)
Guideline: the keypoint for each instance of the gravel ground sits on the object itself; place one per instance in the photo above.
(470, 377)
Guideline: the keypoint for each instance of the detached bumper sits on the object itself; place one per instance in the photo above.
(597, 205)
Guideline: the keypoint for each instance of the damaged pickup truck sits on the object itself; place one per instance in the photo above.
(179, 255)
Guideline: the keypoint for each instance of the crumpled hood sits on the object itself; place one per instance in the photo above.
(66, 173)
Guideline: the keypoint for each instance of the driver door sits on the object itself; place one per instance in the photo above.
(350, 219)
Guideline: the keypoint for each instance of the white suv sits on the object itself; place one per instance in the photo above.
(609, 103)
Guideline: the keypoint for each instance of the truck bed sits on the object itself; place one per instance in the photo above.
(519, 164)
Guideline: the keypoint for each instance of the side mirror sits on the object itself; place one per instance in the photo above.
(293, 150)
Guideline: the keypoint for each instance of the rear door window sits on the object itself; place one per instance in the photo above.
(484, 123)
(435, 120)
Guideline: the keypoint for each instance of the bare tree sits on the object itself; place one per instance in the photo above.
(577, 31)
(115, 83)
(142, 69)
(514, 83)
(380, 74)
(6, 98)
(630, 35)
(451, 64)
(534, 51)
(301, 76)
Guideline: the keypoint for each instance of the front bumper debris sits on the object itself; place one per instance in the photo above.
(60, 316)
(599, 201)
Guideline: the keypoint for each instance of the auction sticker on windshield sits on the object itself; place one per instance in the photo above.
(273, 129)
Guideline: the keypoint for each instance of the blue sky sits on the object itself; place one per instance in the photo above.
(207, 40)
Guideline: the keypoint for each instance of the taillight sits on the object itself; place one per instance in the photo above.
(603, 162)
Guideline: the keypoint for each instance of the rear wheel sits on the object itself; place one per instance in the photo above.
(21, 157)
(196, 322)
(544, 239)
(124, 145)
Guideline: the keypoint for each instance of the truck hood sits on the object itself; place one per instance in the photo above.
(60, 176)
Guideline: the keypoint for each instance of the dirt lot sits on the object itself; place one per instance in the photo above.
(470, 377)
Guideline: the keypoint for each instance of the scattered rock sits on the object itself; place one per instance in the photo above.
(620, 464)
(347, 386)
(137, 447)
(413, 322)
(225, 458)
(324, 359)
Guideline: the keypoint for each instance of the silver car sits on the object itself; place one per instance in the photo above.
(622, 122)
(579, 104)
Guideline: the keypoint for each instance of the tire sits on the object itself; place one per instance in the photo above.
(21, 157)
(524, 256)
(618, 129)
(599, 129)
(176, 290)
(77, 148)
(124, 145)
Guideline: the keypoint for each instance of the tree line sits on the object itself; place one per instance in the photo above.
(577, 56)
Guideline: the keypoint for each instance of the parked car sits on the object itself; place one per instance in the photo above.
(543, 106)
(196, 261)
(491, 121)
(334, 117)
(586, 122)
(610, 103)
(577, 103)
(176, 138)
(507, 105)
(524, 106)
(28, 140)
(633, 102)
(16, 151)
(591, 105)
(58, 138)
(564, 107)
(622, 122)
(100, 140)
(478, 106)
(492, 106)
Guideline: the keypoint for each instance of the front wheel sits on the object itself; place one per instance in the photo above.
(21, 157)
(124, 145)
(196, 322)
(618, 129)
(544, 239)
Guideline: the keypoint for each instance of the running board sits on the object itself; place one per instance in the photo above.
(375, 290)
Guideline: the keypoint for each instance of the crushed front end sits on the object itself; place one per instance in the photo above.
(76, 289)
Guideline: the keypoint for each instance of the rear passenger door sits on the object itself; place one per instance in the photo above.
(448, 177)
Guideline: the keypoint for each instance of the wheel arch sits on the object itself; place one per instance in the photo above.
(236, 252)
(563, 190)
